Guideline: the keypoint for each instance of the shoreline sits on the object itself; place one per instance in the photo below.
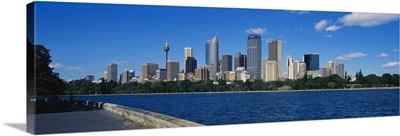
(269, 91)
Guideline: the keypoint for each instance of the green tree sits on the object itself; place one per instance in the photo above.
(386, 79)
(395, 80)
(39, 72)
(371, 80)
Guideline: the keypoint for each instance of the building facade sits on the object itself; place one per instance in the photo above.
(112, 71)
(149, 70)
(172, 70)
(240, 60)
(126, 76)
(201, 74)
(289, 68)
(89, 77)
(105, 75)
(161, 74)
(323, 72)
(270, 71)
(190, 65)
(212, 56)
(254, 56)
(188, 52)
(226, 63)
(329, 67)
(340, 69)
(275, 54)
(300, 69)
(312, 61)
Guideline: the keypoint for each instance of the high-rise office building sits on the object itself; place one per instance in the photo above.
(275, 54)
(149, 70)
(312, 61)
(264, 72)
(190, 65)
(240, 60)
(329, 67)
(340, 69)
(226, 64)
(270, 71)
(161, 74)
(126, 76)
(300, 69)
(201, 73)
(172, 70)
(254, 56)
(212, 53)
(323, 72)
(112, 72)
(289, 68)
(188, 52)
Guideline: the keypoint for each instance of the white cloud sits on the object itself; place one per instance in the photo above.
(259, 31)
(351, 56)
(382, 55)
(333, 28)
(321, 25)
(299, 12)
(367, 19)
(395, 50)
(71, 68)
(327, 36)
(119, 62)
(391, 65)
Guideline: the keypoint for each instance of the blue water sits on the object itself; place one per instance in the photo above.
(260, 107)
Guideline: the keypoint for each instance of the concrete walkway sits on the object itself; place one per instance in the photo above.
(81, 119)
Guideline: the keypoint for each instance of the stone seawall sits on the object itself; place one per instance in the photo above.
(146, 118)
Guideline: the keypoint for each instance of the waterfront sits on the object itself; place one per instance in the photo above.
(259, 107)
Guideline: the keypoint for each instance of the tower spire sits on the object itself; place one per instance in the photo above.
(166, 49)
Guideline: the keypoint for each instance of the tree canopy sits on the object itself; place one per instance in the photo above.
(39, 72)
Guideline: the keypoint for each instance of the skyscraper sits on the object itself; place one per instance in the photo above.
(240, 60)
(270, 69)
(264, 72)
(188, 52)
(226, 63)
(329, 67)
(340, 69)
(275, 54)
(149, 70)
(161, 74)
(289, 68)
(254, 56)
(312, 61)
(172, 70)
(126, 76)
(300, 69)
(112, 72)
(212, 53)
(190, 65)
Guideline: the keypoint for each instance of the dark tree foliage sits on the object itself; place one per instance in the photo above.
(47, 84)
(329, 82)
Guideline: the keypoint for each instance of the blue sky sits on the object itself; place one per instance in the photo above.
(84, 38)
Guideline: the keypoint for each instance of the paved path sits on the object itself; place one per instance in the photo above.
(82, 119)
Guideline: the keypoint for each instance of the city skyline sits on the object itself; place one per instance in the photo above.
(327, 33)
